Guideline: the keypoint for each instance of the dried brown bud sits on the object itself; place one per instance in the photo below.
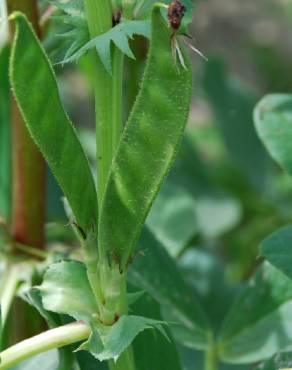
(176, 11)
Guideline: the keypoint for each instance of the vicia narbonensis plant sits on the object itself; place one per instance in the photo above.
(132, 162)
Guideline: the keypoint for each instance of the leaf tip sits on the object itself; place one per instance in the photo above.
(14, 15)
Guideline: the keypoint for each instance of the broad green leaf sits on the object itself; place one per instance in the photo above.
(38, 98)
(87, 362)
(273, 120)
(66, 290)
(119, 336)
(282, 361)
(151, 349)
(45, 361)
(205, 273)
(189, 170)
(133, 297)
(173, 218)
(188, 204)
(119, 36)
(34, 298)
(5, 147)
(259, 324)
(70, 7)
(147, 147)
(155, 272)
(77, 35)
(277, 249)
(55, 212)
(233, 104)
(217, 214)
(196, 359)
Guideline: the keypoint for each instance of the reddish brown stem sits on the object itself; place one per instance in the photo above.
(28, 172)
(28, 185)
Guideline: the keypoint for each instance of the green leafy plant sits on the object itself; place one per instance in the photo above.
(107, 221)
(158, 267)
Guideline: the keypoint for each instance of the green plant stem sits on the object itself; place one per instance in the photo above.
(211, 358)
(99, 17)
(34, 252)
(54, 338)
(108, 93)
(104, 113)
(108, 103)
(108, 107)
(91, 261)
(126, 360)
(9, 285)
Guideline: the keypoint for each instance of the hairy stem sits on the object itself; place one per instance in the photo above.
(126, 360)
(99, 17)
(91, 261)
(43, 342)
(108, 107)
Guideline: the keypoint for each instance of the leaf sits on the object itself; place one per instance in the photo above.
(45, 361)
(260, 322)
(118, 35)
(173, 218)
(217, 215)
(147, 147)
(66, 290)
(87, 362)
(33, 297)
(133, 297)
(273, 121)
(155, 272)
(119, 337)
(151, 349)
(70, 7)
(233, 104)
(277, 249)
(189, 170)
(205, 272)
(282, 361)
(39, 101)
(5, 145)
(77, 35)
